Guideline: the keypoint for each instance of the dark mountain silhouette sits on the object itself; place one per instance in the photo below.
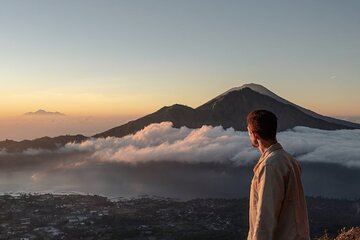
(40, 143)
(230, 110)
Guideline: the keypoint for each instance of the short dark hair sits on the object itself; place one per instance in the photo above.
(264, 123)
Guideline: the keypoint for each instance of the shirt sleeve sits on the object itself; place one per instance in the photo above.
(270, 197)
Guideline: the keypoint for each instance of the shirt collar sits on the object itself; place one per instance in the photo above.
(272, 148)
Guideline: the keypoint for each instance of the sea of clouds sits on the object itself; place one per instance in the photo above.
(163, 142)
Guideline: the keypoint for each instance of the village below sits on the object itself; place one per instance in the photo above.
(52, 216)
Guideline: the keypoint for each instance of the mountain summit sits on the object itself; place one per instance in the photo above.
(230, 110)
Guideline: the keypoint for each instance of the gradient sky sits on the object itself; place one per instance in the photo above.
(113, 58)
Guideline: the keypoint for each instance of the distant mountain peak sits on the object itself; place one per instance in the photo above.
(256, 88)
(42, 112)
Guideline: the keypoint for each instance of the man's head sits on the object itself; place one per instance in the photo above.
(262, 125)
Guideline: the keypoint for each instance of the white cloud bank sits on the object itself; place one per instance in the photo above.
(314, 145)
(162, 142)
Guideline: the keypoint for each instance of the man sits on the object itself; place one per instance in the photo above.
(277, 202)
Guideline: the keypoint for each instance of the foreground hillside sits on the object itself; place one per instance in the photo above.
(94, 217)
(351, 234)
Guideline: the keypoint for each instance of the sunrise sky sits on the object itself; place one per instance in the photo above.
(112, 61)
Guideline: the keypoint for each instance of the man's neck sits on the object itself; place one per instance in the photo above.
(264, 145)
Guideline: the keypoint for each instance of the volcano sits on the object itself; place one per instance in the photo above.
(230, 110)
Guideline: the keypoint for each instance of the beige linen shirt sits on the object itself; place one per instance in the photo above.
(277, 202)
